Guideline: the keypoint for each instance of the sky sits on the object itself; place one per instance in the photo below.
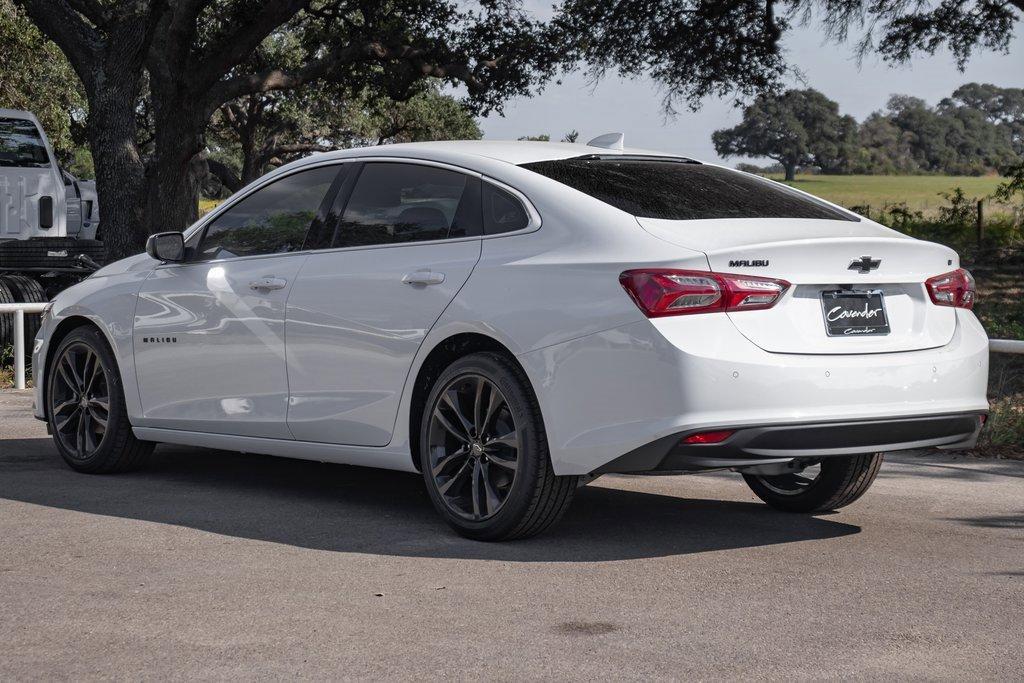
(634, 107)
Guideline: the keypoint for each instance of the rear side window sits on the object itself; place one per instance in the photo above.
(397, 202)
(682, 190)
(502, 211)
(272, 220)
(21, 145)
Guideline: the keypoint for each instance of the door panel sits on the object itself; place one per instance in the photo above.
(209, 346)
(354, 327)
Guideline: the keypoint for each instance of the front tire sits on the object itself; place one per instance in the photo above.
(837, 482)
(484, 453)
(86, 410)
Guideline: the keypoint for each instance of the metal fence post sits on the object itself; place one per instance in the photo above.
(980, 221)
(19, 349)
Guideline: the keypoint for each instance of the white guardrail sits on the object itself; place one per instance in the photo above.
(19, 311)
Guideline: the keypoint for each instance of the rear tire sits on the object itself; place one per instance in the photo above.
(840, 482)
(85, 407)
(484, 452)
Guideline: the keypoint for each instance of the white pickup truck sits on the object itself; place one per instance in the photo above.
(49, 220)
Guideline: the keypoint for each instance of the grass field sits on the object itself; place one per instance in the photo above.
(919, 192)
(208, 205)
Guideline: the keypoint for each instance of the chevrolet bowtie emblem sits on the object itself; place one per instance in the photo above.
(865, 264)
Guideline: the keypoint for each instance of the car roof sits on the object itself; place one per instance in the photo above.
(510, 151)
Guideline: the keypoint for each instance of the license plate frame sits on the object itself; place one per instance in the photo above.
(865, 314)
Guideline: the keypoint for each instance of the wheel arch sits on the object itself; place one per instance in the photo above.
(443, 354)
(65, 327)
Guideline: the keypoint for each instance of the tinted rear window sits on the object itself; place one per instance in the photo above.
(682, 190)
(21, 145)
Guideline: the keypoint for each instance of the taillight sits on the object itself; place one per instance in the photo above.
(663, 291)
(952, 289)
(701, 438)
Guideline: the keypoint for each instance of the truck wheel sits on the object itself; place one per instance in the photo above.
(834, 483)
(85, 407)
(26, 291)
(484, 452)
(6, 319)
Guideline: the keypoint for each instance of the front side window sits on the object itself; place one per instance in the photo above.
(21, 145)
(272, 220)
(682, 190)
(397, 202)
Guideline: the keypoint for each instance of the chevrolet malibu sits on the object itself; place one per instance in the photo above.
(513, 319)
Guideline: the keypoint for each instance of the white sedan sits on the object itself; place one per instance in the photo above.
(513, 319)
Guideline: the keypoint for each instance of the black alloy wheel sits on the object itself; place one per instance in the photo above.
(825, 484)
(79, 400)
(473, 447)
(85, 406)
(483, 452)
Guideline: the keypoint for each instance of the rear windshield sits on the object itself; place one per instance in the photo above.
(682, 190)
(21, 145)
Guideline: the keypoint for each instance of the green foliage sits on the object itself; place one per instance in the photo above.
(427, 115)
(7, 368)
(35, 76)
(958, 210)
(259, 131)
(572, 136)
(1012, 189)
(975, 131)
(796, 128)
(963, 135)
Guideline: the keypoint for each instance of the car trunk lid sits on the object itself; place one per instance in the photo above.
(823, 256)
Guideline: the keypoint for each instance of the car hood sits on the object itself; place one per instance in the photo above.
(127, 265)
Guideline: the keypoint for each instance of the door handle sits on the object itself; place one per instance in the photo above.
(268, 283)
(423, 277)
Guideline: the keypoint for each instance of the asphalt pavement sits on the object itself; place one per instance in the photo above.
(216, 565)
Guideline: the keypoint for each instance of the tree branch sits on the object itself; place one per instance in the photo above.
(279, 79)
(69, 30)
(294, 148)
(224, 174)
(237, 46)
(181, 28)
(91, 10)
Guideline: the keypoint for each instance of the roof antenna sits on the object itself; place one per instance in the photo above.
(608, 141)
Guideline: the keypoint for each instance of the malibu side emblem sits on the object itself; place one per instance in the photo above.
(159, 340)
(749, 264)
(865, 264)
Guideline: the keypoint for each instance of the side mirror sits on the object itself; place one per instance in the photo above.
(166, 246)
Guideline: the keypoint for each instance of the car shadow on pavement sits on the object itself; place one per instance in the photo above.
(353, 509)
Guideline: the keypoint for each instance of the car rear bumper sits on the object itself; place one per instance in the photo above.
(608, 394)
(766, 444)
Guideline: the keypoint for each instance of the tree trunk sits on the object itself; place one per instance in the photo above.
(119, 170)
(249, 157)
(175, 172)
(790, 170)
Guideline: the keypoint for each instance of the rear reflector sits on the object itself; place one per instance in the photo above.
(708, 437)
(663, 291)
(952, 289)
